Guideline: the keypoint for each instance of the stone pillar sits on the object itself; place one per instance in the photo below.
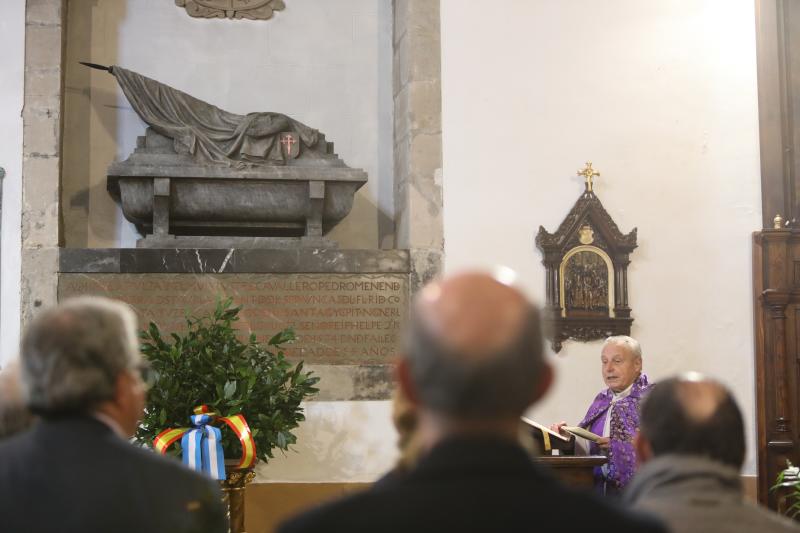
(418, 136)
(41, 154)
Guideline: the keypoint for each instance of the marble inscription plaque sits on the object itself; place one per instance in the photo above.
(339, 318)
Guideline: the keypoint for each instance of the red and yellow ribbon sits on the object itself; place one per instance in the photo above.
(237, 423)
(239, 426)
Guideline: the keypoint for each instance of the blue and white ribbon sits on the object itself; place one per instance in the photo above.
(202, 447)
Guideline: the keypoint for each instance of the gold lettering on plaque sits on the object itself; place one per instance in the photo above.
(338, 318)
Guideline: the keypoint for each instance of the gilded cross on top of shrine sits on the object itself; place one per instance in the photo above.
(588, 173)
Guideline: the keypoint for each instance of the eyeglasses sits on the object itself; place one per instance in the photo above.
(146, 372)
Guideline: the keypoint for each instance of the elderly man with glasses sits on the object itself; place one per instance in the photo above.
(75, 470)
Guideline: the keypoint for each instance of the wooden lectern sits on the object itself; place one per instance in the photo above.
(573, 470)
(576, 471)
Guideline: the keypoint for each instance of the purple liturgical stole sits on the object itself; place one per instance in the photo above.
(624, 424)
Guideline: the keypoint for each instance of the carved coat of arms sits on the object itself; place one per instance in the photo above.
(290, 144)
(232, 9)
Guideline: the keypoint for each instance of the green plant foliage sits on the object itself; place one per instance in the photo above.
(790, 480)
(210, 365)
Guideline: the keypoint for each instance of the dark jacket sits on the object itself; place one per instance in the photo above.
(697, 494)
(469, 485)
(75, 475)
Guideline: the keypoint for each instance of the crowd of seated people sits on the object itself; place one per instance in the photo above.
(472, 364)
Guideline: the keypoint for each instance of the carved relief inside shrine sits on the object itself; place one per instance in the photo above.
(587, 272)
(586, 289)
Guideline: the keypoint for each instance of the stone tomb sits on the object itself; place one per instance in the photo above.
(347, 307)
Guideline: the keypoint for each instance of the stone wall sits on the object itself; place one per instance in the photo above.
(41, 152)
(418, 135)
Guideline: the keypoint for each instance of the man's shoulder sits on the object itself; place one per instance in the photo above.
(769, 520)
(176, 488)
(720, 514)
(13, 448)
(98, 451)
(171, 469)
(604, 396)
(13, 442)
(332, 515)
(129, 486)
(402, 504)
(610, 512)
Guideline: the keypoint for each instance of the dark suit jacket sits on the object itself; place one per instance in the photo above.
(75, 475)
(470, 485)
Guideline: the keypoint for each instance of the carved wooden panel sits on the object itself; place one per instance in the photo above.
(587, 272)
(777, 336)
(776, 252)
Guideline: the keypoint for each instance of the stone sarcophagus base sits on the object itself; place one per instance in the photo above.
(347, 307)
(176, 202)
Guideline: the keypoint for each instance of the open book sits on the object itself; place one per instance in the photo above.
(580, 432)
(544, 429)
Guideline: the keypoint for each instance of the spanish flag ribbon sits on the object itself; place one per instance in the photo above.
(239, 426)
(202, 443)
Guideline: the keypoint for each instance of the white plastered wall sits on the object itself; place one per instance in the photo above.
(661, 96)
(12, 44)
(339, 442)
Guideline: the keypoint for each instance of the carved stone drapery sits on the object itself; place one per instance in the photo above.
(232, 9)
(204, 177)
(587, 272)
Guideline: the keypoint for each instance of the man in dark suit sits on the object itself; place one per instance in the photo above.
(75, 470)
(473, 363)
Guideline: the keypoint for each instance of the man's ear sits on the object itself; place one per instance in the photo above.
(122, 388)
(546, 378)
(405, 382)
(644, 451)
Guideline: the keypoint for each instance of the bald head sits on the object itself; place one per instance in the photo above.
(473, 314)
(475, 348)
(693, 415)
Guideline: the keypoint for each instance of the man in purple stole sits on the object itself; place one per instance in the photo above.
(614, 414)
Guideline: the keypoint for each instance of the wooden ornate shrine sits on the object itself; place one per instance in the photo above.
(776, 285)
(587, 272)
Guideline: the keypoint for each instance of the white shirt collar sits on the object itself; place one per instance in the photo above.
(616, 396)
(111, 423)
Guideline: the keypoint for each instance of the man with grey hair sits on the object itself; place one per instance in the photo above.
(75, 470)
(473, 362)
(614, 413)
(691, 446)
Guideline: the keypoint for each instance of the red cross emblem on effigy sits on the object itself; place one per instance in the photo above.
(290, 145)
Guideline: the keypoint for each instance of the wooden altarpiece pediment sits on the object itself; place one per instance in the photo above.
(587, 272)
